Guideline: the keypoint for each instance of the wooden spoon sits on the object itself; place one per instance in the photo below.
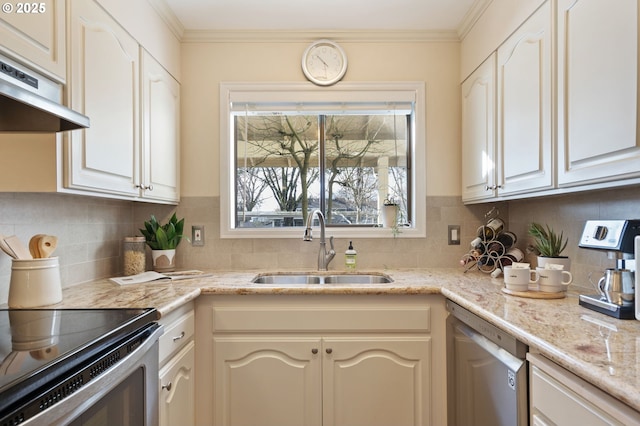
(47, 244)
(33, 246)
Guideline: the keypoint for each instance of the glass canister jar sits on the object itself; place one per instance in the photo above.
(134, 255)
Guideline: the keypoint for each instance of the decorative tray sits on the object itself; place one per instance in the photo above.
(535, 294)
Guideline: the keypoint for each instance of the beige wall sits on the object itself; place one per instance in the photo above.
(205, 65)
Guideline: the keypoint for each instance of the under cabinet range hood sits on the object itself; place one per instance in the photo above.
(30, 102)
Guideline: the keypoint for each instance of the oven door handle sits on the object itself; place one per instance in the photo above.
(510, 361)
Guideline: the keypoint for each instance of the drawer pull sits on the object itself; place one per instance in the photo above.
(314, 351)
(178, 337)
(329, 350)
(167, 387)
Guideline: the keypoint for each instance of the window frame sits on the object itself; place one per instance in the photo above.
(413, 92)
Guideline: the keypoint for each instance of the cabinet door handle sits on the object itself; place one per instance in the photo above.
(167, 387)
(145, 187)
(314, 351)
(178, 337)
(329, 350)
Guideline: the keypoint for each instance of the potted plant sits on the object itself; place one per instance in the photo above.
(548, 245)
(389, 213)
(163, 240)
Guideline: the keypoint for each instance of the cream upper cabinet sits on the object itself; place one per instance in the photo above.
(312, 361)
(104, 85)
(597, 91)
(160, 132)
(132, 148)
(35, 32)
(524, 132)
(478, 132)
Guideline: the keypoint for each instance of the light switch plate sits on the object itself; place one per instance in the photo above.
(454, 235)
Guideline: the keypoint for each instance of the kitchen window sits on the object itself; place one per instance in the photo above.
(347, 150)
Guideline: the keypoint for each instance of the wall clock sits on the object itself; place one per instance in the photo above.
(324, 62)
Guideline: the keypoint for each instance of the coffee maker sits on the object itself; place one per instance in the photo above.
(616, 288)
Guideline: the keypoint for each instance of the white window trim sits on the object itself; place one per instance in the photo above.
(371, 91)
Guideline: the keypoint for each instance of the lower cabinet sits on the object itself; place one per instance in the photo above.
(177, 388)
(177, 368)
(558, 397)
(321, 360)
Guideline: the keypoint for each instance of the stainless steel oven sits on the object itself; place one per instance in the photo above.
(488, 376)
(77, 367)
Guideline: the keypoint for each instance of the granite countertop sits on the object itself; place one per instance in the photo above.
(598, 348)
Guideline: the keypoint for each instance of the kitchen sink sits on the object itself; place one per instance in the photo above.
(313, 278)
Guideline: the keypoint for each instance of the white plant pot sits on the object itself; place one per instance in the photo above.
(389, 216)
(563, 260)
(164, 260)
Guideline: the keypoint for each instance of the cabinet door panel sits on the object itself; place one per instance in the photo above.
(39, 38)
(161, 116)
(377, 381)
(524, 99)
(104, 86)
(597, 91)
(268, 382)
(478, 132)
(177, 398)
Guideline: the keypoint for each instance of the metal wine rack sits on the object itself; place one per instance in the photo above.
(489, 253)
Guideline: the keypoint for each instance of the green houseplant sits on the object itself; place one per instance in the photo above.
(548, 245)
(163, 240)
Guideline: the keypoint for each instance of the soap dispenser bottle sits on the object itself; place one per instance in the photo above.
(350, 258)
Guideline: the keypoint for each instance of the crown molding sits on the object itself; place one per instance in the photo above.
(169, 18)
(291, 36)
(469, 20)
(294, 36)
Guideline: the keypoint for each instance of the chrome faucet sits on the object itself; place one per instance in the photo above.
(324, 258)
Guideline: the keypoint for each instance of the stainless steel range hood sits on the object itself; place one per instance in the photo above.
(30, 102)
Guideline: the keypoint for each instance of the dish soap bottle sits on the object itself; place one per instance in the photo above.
(350, 258)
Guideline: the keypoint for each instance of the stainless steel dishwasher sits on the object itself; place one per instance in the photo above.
(487, 372)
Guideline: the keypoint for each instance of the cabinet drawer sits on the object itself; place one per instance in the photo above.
(176, 334)
(325, 319)
(559, 397)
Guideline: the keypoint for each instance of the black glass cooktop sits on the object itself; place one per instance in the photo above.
(34, 342)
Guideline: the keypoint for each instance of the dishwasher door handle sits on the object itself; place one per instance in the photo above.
(512, 362)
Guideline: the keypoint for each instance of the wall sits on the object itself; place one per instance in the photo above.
(568, 213)
(89, 231)
(205, 65)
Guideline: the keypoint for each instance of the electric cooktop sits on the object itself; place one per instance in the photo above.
(34, 342)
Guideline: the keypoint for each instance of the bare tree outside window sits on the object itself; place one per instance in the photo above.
(284, 161)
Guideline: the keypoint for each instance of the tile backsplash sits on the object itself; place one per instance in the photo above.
(90, 232)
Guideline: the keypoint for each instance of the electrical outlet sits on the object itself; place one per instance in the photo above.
(197, 235)
(454, 235)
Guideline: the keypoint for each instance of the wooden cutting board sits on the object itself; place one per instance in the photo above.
(17, 247)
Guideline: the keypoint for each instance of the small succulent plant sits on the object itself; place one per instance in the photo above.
(547, 242)
(163, 237)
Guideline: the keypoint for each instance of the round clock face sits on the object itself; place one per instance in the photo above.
(324, 62)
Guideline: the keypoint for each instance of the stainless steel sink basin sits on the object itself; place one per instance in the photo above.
(357, 279)
(312, 278)
(287, 279)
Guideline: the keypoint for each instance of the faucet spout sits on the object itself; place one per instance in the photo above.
(324, 257)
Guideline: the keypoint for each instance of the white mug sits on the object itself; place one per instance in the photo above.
(518, 279)
(554, 280)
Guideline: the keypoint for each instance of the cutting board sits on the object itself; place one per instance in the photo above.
(17, 247)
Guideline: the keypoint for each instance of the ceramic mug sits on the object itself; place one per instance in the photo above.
(554, 280)
(518, 279)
